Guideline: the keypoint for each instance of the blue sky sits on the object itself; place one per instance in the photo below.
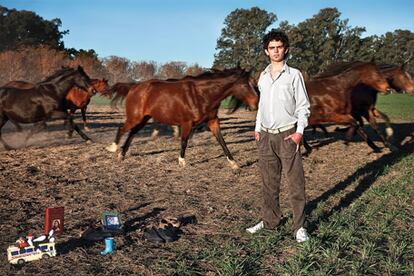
(187, 30)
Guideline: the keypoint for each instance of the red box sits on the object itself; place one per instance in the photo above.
(54, 218)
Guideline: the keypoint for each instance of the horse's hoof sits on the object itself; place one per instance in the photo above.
(87, 129)
(88, 142)
(121, 157)
(112, 148)
(181, 162)
(233, 164)
(154, 134)
(389, 131)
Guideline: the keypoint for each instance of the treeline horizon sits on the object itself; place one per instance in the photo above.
(32, 48)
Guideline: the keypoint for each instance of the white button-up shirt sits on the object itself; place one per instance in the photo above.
(283, 101)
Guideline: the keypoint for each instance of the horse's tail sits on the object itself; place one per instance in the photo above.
(118, 93)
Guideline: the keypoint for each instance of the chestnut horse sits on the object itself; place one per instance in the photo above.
(44, 101)
(185, 102)
(77, 98)
(364, 98)
(330, 94)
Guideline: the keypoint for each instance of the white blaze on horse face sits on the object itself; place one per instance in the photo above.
(112, 148)
(181, 161)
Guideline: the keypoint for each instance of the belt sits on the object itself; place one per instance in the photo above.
(277, 130)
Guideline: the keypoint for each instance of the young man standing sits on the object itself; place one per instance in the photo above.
(281, 118)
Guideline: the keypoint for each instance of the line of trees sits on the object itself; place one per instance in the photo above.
(32, 47)
(314, 43)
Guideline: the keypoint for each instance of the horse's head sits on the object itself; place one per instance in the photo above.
(100, 86)
(82, 80)
(401, 80)
(244, 91)
(371, 76)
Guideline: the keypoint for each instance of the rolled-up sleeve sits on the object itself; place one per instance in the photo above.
(302, 110)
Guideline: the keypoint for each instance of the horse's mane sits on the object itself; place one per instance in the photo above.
(58, 73)
(387, 66)
(211, 74)
(338, 68)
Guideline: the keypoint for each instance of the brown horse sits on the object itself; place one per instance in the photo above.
(46, 100)
(330, 94)
(77, 98)
(185, 102)
(364, 98)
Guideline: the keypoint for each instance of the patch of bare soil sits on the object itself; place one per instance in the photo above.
(54, 170)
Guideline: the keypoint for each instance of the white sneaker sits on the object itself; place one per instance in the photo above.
(255, 228)
(302, 235)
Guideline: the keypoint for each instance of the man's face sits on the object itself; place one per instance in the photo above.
(276, 51)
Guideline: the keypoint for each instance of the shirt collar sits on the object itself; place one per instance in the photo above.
(285, 68)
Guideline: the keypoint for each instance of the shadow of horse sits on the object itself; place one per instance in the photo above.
(369, 173)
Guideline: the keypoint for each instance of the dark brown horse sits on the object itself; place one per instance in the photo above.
(185, 102)
(330, 94)
(44, 101)
(77, 98)
(364, 98)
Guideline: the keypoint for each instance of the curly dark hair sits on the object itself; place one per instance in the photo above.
(275, 35)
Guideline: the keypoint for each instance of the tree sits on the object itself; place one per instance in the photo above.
(240, 42)
(396, 48)
(118, 69)
(194, 70)
(173, 70)
(26, 28)
(322, 40)
(142, 71)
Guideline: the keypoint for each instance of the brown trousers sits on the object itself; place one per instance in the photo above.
(274, 154)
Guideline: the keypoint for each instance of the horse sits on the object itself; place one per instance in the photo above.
(186, 102)
(44, 101)
(330, 94)
(77, 98)
(364, 98)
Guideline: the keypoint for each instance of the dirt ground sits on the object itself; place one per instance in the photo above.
(53, 170)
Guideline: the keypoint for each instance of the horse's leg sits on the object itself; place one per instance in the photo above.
(307, 147)
(388, 129)
(373, 123)
(35, 129)
(346, 118)
(83, 111)
(176, 131)
(131, 134)
(185, 135)
(67, 120)
(154, 133)
(78, 130)
(3, 121)
(214, 126)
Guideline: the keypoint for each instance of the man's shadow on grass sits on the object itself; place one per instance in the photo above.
(369, 173)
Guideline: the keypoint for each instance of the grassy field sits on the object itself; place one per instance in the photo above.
(397, 106)
(370, 232)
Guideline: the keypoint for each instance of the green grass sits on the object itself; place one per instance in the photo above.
(397, 106)
(372, 235)
(99, 100)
